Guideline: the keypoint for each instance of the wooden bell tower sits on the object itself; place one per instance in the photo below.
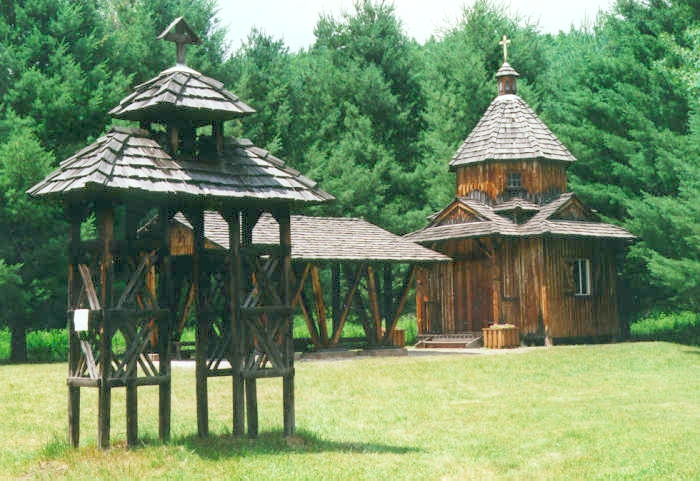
(126, 282)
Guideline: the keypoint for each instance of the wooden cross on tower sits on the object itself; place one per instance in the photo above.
(505, 42)
(181, 34)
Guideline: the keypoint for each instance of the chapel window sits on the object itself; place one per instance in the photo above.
(582, 277)
(514, 181)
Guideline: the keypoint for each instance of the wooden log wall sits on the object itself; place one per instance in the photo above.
(530, 284)
(538, 177)
(581, 316)
(435, 298)
(522, 266)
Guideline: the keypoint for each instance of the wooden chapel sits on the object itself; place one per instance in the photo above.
(178, 160)
(526, 251)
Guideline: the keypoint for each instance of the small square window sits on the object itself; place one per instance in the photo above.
(582, 277)
(515, 180)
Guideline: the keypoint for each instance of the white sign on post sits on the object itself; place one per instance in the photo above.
(80, 319)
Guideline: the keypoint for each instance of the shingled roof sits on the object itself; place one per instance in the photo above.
(326, 239)
(183, 92)
(542, 223)
(131, 159)
(510, 130)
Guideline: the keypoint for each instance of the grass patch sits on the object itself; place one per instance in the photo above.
(52, 345)
(681, 327)
(625, 411)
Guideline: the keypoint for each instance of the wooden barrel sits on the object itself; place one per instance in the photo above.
(501, 337)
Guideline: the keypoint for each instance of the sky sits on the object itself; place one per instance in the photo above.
(294, 21)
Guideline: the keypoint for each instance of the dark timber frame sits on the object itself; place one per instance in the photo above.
(126, 276)
(357, 260)
(378, 311)
(135, 311)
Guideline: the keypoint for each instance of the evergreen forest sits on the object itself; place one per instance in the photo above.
(372, 115)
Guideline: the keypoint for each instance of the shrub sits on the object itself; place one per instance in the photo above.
(681, 327)
(4, 344)
(47, 345)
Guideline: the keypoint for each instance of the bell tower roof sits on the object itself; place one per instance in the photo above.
(181, 92)
(509, 129)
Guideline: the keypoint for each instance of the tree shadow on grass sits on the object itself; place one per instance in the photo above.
(227, 446)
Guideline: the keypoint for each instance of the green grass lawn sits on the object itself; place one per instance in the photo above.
(626, 411)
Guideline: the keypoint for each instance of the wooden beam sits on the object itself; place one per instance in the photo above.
(405, 288)
(202, 326)
(191, 296)
(105, 228)
(89, 287)
(287, 341)
(300, 285)
(74, 341)
(359, 303)
(335, 295)
(355, 282)
(166, 298)
(234, 285)
(544, 306)
(303, 305)
(249, 217)
(374, 304)
(251, 397)
(388, 296)
(320, 305)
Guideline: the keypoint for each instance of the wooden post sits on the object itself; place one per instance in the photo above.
(74, 343)
(251, 400)
(218, 133)
(374, 305)
(544, 303)
(287, 336)
(202, 329)
(388, 298)
(354, 282)
(234, 236)
(405, 288)
(335, 298)
(132, 417)
(105, 226)
(320, 305)
(249, 218)
(131, 388)
(166, 297)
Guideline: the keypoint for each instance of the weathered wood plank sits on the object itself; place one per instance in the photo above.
(320, 305)
(354, 283)
(374, 305)
(235, 281)
(405, 289)
(202, 326)
(74, 341)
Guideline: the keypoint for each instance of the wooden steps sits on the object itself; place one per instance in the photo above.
(461, 340)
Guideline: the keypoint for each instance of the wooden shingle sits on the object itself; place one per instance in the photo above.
(130, 159)
(183, 93)
(326, 239)
(510, 130)
(542, 223)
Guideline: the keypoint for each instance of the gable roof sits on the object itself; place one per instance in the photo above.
(131, 159)
(183, 91)
(326, 239)
(510, 130)
(541, 224)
